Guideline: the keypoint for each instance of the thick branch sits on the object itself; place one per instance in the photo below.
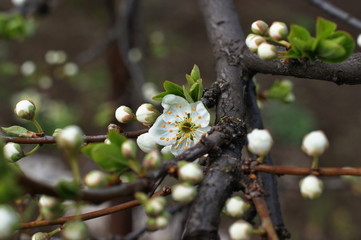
(347, 72)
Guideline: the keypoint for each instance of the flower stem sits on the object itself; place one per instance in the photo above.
(32, 150)
(37, 125)
(75, 169)
(55, 231)
(315, 163)
(260, 159)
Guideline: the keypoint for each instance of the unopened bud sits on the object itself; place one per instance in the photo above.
(95, 179)
(278, 31)
(259, 27)
(124, 114)
(154, 206)
(75, 230)
(129, 149)
(147, 114)
(259, 142)
(146, 142)
(25, 109)
(267, 51)
(183, 192)
(359, 40)
(190, 172)
(240, 230)
(114, 127)
(27, 68)
(40, 236)
(236, 207)
(162, 220)
(13, 152)
(253, 41)
(48, 201)
(71, 69)
(9, 221)
(57, 132)
(315, 143)
(311, 187)
(152, 160)
(70, 139)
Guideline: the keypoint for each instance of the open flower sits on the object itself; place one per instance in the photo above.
(181, 125)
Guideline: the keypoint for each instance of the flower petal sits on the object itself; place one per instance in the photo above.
(181, 146)
(175, 108)
(200, 132)
(200, 115)
(163, 132)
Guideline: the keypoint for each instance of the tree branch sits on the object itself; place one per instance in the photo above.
(337, 12)
(347, 72)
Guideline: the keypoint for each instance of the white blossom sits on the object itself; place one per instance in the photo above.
(236, 207)
(253, 41)
(311, 187)
(13, 152)
(259, 27)
(183, 192)
(25, 109)
(259, 141)
(9, 221)
(191, 172)
(181, 125)
(267, 51)
(278, 30)
(315, 143)
(124, 114)
(146, 142)
(240, 230)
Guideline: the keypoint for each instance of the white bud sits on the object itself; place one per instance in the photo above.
(278, 31)
(146, 142)
(267, 51)
(70, 138)
(107, 141)
(315, 143)
(75, 230)
(129, 148)
(183, 193)
(359, 40)
(253, 41)
(166, 150)
(55, 57)
(25, 109)
(95, 179)
(311, 187)
(152, 160)
(13, 152)
(162, 221)
(259, 27)
(18, 2)
(9, 221)
(48, 201)
(124, 114)
(259, 141)
(154, 206)
(40, 236)
(27, 68)
(240, 230)
(147, 114)
(190, 172)
(289, 98)
(236, 207)
(71, 69)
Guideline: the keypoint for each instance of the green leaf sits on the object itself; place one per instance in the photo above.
(116, 138)
(109, 157)
(328, 50)
(344, 40)
(190, 80)
(159, 96)
(187, 95)
(18, 131)
(196, 91)
(195, 73)
(135, 166)
(301, 41)
(68, 190)
(324, 28)
(172, 88)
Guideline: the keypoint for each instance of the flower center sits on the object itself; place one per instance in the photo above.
(186, 127)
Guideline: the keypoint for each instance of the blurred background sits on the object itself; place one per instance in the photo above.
(70, 63)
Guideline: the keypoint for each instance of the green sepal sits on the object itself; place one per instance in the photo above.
(190, 80)
(18, 131)
(68, 190)
(187, 95)
(196, 91)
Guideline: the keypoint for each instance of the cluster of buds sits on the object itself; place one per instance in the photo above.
(158, 217)
(257, 41)
(236, 207)
(145, 114)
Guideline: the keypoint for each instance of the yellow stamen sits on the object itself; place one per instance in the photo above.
(184, 148)
(171, 130)
(176, 147)
(179, 106)
(163, 126)
(194, 109)
(199, 117)
(162, 138)
(169, 112)
(167, 139)
(191, 119)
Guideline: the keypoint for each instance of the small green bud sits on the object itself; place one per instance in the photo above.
(259, 27)
(13, 152)
(141, 197)
(40, 236)
(57, 132)
(152, 160)
(154, 206)
(95, 179)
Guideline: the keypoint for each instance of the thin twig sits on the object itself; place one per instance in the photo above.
(263, 213)
(89, 215)
(337, 12)
(51, 139)
(307, 171)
